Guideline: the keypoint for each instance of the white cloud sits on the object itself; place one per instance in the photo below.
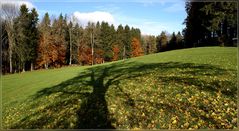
(85, 17)
(18, 3)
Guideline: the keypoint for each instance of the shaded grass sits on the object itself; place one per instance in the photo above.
(136, 93)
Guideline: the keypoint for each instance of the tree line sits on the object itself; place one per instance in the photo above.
(29, 44)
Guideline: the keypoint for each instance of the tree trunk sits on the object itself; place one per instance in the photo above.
(46, 65)
(92, 48)
(77, 56)
(32, 66)
(70, 48)
(10, 60)
(19, 68)
(11, 42)
(124, 53)
(23, 68)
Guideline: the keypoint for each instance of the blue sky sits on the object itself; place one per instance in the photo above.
(150, 16)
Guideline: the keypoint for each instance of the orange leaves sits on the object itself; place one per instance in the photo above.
(116, 51)
(84, 56)
(98, 56)
(136, 48)
(50, 52)
(43, 57)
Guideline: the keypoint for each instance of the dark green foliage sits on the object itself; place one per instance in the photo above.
(179, 41)
(127, 42)
(33, 36)
(162, 42)
(107, 38)
(120, 40)
(210, 23)
(136, 33)
(4, 51)
(76, 36)
(150, 44)
(27, 37)
(69, 42)
(194, 31)
(173, 42)
(21, 26)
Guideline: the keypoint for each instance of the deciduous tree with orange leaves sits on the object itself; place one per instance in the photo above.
(116, 52)
(84, 56)
(136, 48)
(44, 49)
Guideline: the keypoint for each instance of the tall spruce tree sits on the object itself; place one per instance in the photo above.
(210, 23)
(179, 41)
(162, 42)
(22, 29)
(33, 37)
(120, 40)
(173, 42)
(194, 31)
(127, 42)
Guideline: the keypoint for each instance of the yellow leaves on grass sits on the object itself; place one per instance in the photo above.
(234, 120)
(174, 120)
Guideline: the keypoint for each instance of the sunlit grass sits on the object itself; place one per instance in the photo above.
(190, 88)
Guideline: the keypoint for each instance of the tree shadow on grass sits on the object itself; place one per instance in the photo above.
(80, 102)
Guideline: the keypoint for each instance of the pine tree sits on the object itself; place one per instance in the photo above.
(195, 31)
(210, 23)
(106, 41)
(99, 51)
(173, 42)
(120, 40)
(179, 41)
(22, 28)
(150, 44)
(222, 20)
(33, 37)
(76, 36)
(127, 42)
(162, 42)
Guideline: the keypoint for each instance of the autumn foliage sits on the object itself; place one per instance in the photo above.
(136, 48)
(43, 56)
(50, 52)
(84, 56)
(98, 56)
(116, 52)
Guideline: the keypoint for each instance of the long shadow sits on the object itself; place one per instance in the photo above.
(87, 91)
(94, 111)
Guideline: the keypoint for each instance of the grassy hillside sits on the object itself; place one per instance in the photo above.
(189, 88)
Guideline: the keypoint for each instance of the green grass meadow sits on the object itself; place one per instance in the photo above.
(182, 89)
